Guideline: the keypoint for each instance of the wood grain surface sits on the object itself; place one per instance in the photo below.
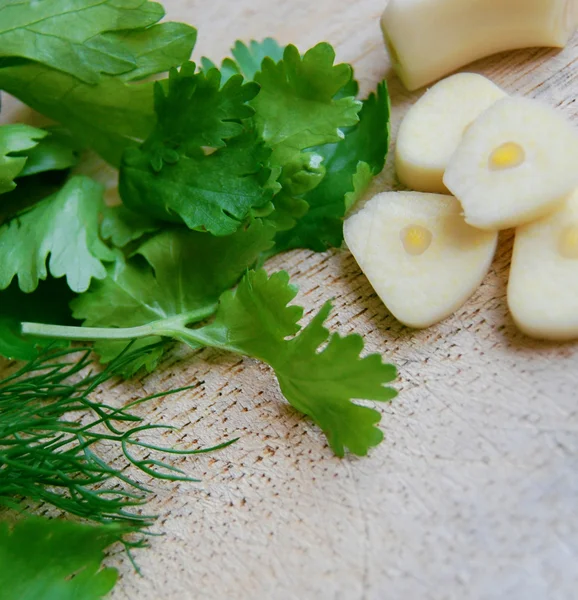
(473, 493)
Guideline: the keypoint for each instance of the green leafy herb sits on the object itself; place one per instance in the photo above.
(121, 225)
(255, 320)
(247, 59)
(296, 108)
(350, 166)
(46, 559)
(106, 113)
(51, 436)
(69, 37)
(171, 177)
(63, 227)
(48, 304)
(182, 275)
(15, 139)
(106, 117)
(157, 49)
(55, 152)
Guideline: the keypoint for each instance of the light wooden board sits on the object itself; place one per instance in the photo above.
(473, 493)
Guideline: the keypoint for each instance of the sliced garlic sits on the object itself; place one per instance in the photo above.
(419, 255)
(543, 284)
(434, 126)
(516, 163)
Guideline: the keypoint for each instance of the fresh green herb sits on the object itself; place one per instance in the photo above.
(255, 320)
(51, 435)
(74, 38)
(55, 152)
(296, 108)
(15, 139)
(350, 166)
(62, 231)
(160, 282)
(247, 59)
(44, 559)
(172, 177)
(85, 63)
(47, 304)
(122, 226)
(219, 169)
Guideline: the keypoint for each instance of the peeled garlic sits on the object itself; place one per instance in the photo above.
(419, 255)
(434, 126)
(428, 39)
(516, 163)
(543, 284)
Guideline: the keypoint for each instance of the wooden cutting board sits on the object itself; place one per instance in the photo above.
(473, 493)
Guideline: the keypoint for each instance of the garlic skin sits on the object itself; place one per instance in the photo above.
(433, 128)
(429, 39)
(543, 283)
(418, 254)
(517, 162)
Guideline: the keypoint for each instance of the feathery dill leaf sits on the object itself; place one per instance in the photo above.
(51, 431)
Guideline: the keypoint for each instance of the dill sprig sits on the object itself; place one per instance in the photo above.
(50, 432)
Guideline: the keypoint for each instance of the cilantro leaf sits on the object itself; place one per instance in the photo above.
(255, 320)
(196, 111)
(106, 117)
(156, 49)
(247, 59)
(215, 192)
(70, 38)
(56, 560)
(112, 114)
(122, 226)
(350, 164)
(61, 230)
(15, 139)
(250, 57)
(182, 272)
(47, 304)
(55, 152)
(172, 178)
(296, 108)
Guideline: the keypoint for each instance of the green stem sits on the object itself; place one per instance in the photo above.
(163, 327)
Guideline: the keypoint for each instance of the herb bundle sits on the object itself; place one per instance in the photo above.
(219, 169)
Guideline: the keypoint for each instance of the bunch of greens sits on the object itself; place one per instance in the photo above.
(219, 169)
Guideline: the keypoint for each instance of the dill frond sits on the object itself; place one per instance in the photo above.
(50, 432)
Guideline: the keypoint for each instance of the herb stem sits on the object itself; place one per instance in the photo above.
(159, 327)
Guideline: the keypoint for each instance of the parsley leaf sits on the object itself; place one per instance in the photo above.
(156, 49)
(182, 272)
(55, 152)
(56, 560)
(172, 178)
(15, 139)
(299, 108)
(196, 111)
(47, 304)
(296, 108)
(215, 192)
(255, 320)
(69, 37)
(112, 114)
(247, 59)
(350, 165)
(122, 226)
(61, 230)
